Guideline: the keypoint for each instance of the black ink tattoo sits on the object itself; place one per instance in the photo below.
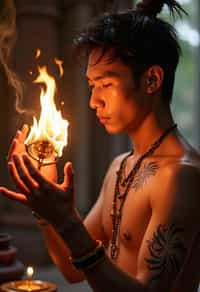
(148, 170)
(167, 251)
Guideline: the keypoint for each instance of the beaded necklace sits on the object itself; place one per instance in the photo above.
(116, 213)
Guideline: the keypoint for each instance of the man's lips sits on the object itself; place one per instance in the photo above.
(103, 119)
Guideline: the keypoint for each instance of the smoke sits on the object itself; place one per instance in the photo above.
(7, 40)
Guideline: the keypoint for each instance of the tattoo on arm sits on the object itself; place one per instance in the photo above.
(167, 251)
(148, 170)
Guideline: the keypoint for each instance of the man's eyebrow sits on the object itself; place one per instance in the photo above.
(104, 75)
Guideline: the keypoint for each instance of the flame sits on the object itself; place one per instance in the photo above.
(60, 66)
(51, 126)
(29, 271)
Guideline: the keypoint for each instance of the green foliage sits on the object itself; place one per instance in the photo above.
(183, 104)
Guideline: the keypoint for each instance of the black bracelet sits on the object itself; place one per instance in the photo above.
(91, 259)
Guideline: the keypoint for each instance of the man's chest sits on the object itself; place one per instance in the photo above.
(135, 215)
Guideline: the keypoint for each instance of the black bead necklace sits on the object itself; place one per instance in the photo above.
(116, 213)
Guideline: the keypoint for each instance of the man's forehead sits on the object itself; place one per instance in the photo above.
(96, 56)
(98, 63)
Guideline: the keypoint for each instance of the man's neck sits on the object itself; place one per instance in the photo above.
(152, 127)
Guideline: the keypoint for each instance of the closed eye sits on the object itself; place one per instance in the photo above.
(107, 85)
(91, 86)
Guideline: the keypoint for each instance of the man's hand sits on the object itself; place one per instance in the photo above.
(18, 147)
(50, 200)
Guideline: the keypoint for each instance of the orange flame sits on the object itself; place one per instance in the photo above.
(51, 126)
(38, 53)
(60, 66)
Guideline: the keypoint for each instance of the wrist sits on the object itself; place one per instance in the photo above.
(71, 231)
(91, 259)
(40, 220)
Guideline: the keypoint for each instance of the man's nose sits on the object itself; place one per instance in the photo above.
(96, 99)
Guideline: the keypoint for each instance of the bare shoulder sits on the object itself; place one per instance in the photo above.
(182, 172)
(178, 184)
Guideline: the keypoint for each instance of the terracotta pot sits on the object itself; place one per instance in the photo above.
(10, 268)
(4, 241)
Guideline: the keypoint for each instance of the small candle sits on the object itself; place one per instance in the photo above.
(29, 273)
(28, 285)
(35, 286)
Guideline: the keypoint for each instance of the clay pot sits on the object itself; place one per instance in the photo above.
(10, 268)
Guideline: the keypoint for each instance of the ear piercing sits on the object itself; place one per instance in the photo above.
(152, 79)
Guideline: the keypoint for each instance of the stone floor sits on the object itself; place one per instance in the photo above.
(51, 274)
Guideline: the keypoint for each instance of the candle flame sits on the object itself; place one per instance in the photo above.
(50, 127)
(29, 271)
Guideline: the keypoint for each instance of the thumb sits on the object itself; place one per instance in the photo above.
(68, 181)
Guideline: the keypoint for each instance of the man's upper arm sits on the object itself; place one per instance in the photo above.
(173, 226)
(93, 221)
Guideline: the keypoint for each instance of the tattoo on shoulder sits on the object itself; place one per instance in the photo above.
(167, 251)
(141, 178)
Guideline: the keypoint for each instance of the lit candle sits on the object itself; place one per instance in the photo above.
(29, 273)
(28, 285)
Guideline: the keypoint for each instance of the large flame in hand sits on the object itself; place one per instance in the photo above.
(50, 127)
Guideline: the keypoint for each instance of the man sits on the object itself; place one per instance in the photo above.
(147, 213)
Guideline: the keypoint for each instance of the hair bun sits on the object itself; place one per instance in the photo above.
(150, 7)
(154, 7)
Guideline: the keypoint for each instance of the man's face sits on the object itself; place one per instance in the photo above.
(119, 104)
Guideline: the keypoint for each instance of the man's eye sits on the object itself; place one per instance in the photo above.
(107, 85)
(91, 86)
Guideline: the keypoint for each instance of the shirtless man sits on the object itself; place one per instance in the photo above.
(147, 214)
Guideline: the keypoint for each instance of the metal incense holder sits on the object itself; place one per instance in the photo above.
(43, 152)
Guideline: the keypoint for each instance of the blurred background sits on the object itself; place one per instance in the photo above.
(50, 25)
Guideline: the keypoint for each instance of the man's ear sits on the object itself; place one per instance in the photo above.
(154, 79)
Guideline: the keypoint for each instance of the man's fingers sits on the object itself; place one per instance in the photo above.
(12, 149)
(35, 174)
(23, 174)
(13, 195)
(16, 179)
(23, 133)
(19, 139)
(68, 176)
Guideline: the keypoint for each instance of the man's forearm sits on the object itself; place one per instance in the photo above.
(105, 276)
(59, 253)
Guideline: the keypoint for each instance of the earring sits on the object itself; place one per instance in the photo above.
(152, 79)
(151, 84)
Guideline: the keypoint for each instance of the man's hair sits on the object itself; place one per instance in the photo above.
(138, 38)
(7, 40)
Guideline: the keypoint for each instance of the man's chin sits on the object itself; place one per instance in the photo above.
(112, 130)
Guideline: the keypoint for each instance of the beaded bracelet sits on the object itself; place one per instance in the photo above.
(91, 259)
